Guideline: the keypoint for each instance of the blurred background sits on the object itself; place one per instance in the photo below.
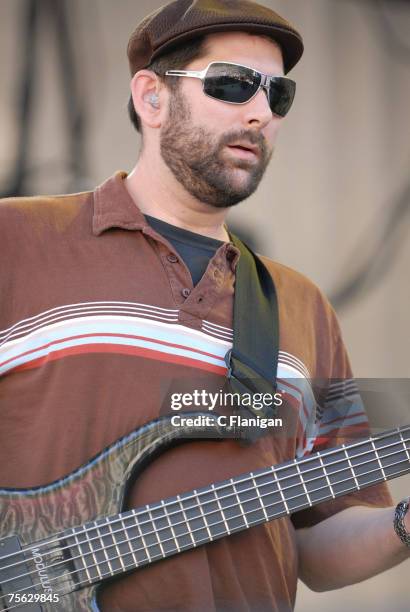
(335, 201)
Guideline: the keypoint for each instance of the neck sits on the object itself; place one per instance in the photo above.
(156, 192)
(159, 530)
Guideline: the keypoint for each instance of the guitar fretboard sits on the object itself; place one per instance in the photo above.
(123, 542)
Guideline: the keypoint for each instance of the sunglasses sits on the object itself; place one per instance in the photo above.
(237, 84)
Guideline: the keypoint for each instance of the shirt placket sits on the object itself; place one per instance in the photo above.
(195, 303)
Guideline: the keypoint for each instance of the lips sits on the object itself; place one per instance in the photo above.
(246, 146)
(245, 150)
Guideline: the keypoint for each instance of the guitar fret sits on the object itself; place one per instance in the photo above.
(325, 474)
(378, 458)
(155, 530)
(90, 543)
(303, 483)
(280, 489)
(318, 482)
(259, 496)
(95, 566)
(221, 509)
(128, 542)
(102, 550)
(351, 467)
(186, 520)
(392, 452)
(146, 550)
(203, 515)
(239, 503)
(406, 450)
(81, 556)
(114, 539)
(170, 525)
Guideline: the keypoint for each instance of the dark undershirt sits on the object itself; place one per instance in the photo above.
(195, 250)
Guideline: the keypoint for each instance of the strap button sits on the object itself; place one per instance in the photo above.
(172, 258)
(186, 292)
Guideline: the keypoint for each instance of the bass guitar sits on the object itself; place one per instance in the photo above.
(47, 565)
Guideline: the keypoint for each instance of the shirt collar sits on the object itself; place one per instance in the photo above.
(114, 207)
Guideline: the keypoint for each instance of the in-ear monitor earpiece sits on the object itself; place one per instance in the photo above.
(153, 100)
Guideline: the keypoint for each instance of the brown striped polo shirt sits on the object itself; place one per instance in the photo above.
(99, 324)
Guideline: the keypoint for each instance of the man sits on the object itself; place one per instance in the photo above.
(119, 296)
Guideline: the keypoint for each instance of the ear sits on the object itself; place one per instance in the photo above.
(148, 98)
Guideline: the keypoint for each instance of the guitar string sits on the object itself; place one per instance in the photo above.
(146, 548)
(301, 462)
(267, 472)
(153, 558)
(189, 546)
(207, 526)
(238, 480)
(170, 502)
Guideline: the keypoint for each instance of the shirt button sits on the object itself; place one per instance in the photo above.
(172, 258)
(186, 292)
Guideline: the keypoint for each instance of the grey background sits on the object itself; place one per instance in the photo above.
(340, 165)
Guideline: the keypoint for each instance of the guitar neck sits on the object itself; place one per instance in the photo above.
(116, 544)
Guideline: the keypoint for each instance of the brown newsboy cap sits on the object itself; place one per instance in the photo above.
(182, 20)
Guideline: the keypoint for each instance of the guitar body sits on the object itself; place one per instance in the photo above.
(59, 541)
(94, 491)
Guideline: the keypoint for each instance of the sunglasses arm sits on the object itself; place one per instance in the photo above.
(195, 74)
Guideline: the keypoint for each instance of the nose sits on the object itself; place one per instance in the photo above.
(257, 112)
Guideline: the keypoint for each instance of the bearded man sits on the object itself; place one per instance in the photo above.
(115, 294)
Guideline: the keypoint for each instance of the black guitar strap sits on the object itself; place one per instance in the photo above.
(253, 360)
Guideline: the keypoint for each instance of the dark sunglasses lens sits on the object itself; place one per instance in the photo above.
(231, 83)
(281, 95)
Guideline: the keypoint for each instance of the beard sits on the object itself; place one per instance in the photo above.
(196, 158)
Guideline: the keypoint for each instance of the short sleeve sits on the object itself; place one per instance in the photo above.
(341, 419)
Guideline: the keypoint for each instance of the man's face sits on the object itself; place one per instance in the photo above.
(199, 136)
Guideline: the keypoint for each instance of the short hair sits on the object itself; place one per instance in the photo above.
(177, 59)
